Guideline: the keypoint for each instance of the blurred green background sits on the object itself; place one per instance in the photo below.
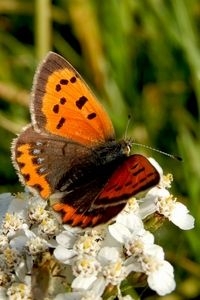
(141, 58)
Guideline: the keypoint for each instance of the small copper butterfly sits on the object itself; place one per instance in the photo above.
(70, 151)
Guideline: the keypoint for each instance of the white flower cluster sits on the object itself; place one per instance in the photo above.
(27, 232)
(41, 258)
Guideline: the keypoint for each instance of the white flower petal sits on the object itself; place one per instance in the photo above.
(64, 255)
(73, 230)
(17, 205)
(29, 234)
(21, 270)
(108, 254)
(66, 239)
(147, 206)
(131, 264)
(19, 242)
(83, 283)
(130, 221)
(156, 165)
(119, 232)
(110, 241)
(162, 280)
(155, 251)
(147, 239)
(158, 192)
(98, 286)
(148, 203)
(180, 217)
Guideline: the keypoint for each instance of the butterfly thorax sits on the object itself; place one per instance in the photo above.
(112, 151)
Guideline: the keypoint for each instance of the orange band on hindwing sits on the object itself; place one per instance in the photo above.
(29, 171)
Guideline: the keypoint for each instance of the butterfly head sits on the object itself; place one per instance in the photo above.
(127, 145)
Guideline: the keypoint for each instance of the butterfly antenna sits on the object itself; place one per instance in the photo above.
(159, 151)
(127, 126)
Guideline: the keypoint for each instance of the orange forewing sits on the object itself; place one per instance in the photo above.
(64, 105)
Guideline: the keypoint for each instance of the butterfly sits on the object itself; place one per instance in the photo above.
(69, 151)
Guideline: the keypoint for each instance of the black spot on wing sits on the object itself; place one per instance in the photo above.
(61, 123)
(64, 81)
(21, 165)
(91, 116)
(27, 177)
(73, 79)
(58, 87)
(18, 153)
(81, 102)
(56, 108)
(38, 187)
(63, 100)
